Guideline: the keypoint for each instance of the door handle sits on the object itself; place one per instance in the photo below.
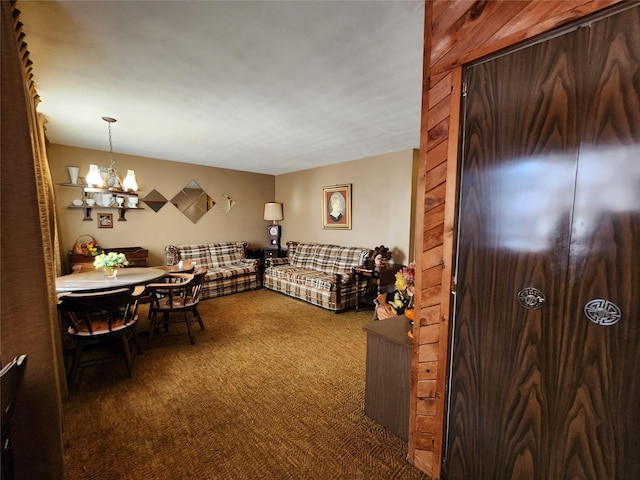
(602, 312)
(531, 298)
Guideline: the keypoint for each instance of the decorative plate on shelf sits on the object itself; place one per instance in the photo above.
(104, 199)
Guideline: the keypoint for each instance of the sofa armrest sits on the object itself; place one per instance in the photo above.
(250, 262)
(344, 277)
(272, 262)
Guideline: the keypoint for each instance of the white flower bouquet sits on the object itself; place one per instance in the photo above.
(110, 260)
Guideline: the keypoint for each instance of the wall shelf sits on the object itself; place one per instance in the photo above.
(87, 211)
(91, 192)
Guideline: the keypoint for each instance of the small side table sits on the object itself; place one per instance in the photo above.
(379, 277)
(265, 253)
(274, 253)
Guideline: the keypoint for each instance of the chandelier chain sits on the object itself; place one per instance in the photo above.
(110, 147)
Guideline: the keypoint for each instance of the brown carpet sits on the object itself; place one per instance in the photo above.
(273, 389)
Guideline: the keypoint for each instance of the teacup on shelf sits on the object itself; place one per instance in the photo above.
(90, 202)
(133, 202)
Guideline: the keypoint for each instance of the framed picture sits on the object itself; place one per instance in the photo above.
(105, 220)
(336, 207)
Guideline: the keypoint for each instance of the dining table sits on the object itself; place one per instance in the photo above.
(94, 281)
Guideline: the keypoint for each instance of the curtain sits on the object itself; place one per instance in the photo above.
(29, 263)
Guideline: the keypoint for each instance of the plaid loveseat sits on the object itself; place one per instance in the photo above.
(319, 274)
(228, 269)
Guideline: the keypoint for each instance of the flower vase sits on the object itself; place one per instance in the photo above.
(110, 272)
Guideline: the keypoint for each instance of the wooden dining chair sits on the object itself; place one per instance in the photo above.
(179, 295)
(98, 318)
(11, 377)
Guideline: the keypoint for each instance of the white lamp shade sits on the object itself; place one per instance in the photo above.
(130, 181)
(273, 211)
(93, 178)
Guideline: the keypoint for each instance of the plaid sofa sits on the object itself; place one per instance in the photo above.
(319, 274)
(228, 269)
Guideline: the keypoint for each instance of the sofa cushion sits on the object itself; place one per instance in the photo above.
(197, 252)
(321, 280)
(306, 276)
(286, 271)
(304, 255)
(345, 258)
(225, 254)
(216, 273)
(325, 258)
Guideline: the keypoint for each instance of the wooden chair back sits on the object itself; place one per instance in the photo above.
(172, 293)
(196, 284)
(11, 377)
(181, 294)
(99, 317)
(96, 313)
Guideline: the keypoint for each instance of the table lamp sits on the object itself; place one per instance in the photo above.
(273, 213)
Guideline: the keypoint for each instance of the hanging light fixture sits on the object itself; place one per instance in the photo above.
(112, 180)
(93, 178)
(130, 183)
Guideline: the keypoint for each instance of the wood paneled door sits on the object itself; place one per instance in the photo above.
(545, 342)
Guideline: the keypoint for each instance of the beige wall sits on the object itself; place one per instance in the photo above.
(383, 195)
(155, 230)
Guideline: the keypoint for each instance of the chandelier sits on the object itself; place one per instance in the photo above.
(112, 180)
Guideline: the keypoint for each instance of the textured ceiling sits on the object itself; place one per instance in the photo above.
(261, 86)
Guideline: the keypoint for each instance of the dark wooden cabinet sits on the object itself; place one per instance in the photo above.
(137, 257)
(273, 253)
(388, 375)
(266, 253)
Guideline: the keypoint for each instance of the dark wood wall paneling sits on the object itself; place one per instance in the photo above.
(455, 33)
(520, 157)
(547, 132)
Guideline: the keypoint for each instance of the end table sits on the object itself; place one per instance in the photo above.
(274, 252)
(377, 277)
